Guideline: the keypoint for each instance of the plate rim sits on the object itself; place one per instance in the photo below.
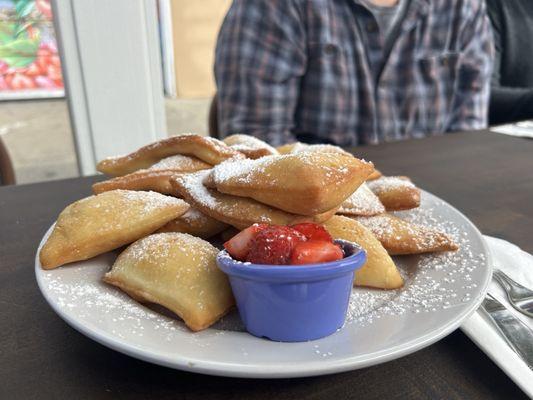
(272, 371)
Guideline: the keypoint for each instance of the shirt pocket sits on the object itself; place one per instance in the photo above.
(324, 101)
(437, 76)
(328, 60)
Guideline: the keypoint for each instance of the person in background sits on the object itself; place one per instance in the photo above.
(512, 80)
(351, 72)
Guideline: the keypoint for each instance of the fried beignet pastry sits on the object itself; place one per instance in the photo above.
(154, 178)
(379, 270)
(250, 146)
(207, 149)
(287, 148)
(301, 183)
(180, 163)
(195, 223)
(177, 271)
(396, 192)
(319, 148)
(157, 181)
(362, 202)
(298, 147)
(101, 223)
(403, 237)
(240, 212)
(374, 175)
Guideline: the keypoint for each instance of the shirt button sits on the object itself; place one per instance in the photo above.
(329, 49)
(371, 26)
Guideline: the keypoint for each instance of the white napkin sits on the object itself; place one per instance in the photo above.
(518, 265)
(521, 129)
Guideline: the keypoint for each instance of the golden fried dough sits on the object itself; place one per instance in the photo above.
(240, 212)
(101, 223)
(177, 271)
(298, 147)
(379, 270)
(195, 223)
(374, 175)
(207, 149)
(362, 202)
(396, 192)
(287, 148)
(250, 146)
(319, 148)
(301, 183)
(145, 179)
(403, 237)
(154, 178)
(180, 163)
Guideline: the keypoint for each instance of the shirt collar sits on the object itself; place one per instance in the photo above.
(415, 10)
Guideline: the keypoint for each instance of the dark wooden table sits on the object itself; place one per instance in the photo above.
(487, 176)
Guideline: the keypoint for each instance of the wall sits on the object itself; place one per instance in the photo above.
(195, 29)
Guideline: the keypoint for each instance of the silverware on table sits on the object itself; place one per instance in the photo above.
(517, 334)
(520, 297)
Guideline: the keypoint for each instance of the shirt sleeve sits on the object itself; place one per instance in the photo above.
(259, 61)
(471, 94)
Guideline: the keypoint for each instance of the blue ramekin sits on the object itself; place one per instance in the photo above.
(293, 303)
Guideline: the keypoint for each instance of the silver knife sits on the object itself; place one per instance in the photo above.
(517, 334)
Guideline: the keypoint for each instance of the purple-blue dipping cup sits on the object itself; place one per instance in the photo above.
(293, 303)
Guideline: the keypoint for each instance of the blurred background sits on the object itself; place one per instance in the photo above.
(106, 57)
(81, 80)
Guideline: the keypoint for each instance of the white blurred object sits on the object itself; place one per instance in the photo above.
(167, 48)
(521, 129)
(518, 265)
(111, 56)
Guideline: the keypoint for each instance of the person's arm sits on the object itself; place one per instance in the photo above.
(260, 58)
(471, 93)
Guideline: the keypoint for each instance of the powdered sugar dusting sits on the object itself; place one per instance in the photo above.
(246, 143)
(116, 209)
(151, 200)
(158, 248)
(433, 283)
(97, 302)
(177, 162)
(362, 202)
(229, 206)
(192, 183)
(386, 183)
(317, 148)
(398, 234)
(241, 171)
(192, 216)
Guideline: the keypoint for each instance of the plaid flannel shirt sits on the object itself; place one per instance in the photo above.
(318, 71)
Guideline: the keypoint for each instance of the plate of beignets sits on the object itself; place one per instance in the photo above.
(133, 266)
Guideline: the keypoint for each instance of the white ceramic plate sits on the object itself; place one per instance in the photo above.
(441, 290)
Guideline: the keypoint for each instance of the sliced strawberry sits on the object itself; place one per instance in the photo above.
(274, 245)
(315, 251)
(239, 245)
(313, 231)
